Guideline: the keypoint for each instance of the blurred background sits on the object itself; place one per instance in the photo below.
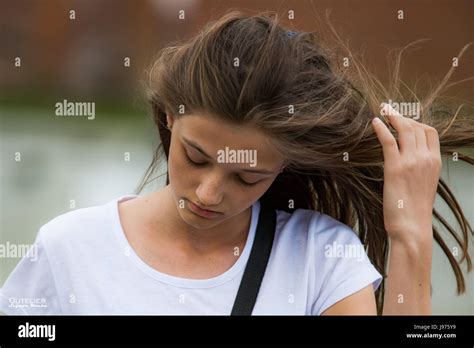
(99, 50)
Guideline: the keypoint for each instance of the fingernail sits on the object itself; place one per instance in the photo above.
(376, 120)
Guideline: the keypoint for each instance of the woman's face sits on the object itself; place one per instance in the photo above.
(220, 167)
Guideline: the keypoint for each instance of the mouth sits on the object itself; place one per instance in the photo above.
(202, 212)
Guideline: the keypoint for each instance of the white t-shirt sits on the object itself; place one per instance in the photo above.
(83, 264)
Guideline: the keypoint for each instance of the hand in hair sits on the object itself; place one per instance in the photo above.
(411, 174)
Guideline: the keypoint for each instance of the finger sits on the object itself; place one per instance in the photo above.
(420, 135)
(432, 139)
(388, 141)
(406, 132)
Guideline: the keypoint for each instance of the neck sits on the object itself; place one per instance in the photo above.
(228, 234)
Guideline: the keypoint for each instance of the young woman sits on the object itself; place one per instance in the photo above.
(250, 114)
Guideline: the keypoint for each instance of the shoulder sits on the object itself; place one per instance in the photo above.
(315, 227)
(78, 227)
(331, 254)
(315, 240)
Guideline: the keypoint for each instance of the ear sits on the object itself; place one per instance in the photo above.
(169, 119)
(284, 165)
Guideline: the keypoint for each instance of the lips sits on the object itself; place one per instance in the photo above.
(202, 212)
(211, 211)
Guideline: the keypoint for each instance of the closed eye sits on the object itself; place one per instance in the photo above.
(202, 164)
(197, 164)
(247, 183)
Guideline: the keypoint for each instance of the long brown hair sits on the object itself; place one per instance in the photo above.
(249, 69)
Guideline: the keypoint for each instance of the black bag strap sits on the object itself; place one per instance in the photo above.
(257, 262)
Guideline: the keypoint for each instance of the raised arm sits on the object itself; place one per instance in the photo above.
(411, 175)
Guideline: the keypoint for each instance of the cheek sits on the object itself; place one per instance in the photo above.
(178, 170)
(257, 193)
(246, 196)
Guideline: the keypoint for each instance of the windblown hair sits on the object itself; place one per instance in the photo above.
(250, 70)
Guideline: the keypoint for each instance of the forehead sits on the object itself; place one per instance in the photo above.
(213, 134)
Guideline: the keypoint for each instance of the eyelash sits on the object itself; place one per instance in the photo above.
(195, 164)
(190, 161)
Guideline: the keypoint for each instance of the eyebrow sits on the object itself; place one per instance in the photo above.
(194, 145)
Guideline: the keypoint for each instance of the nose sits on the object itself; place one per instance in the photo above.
(210, 191)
